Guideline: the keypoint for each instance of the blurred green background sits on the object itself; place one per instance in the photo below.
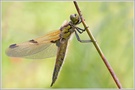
(111, 24)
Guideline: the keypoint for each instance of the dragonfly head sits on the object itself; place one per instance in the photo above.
(75, 19)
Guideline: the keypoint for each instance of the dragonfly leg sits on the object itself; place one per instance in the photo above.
(82, 41)
(80, 30)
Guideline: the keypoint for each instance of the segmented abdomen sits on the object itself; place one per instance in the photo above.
(59, 60)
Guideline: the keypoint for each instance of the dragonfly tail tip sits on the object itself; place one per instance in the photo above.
(51, 84)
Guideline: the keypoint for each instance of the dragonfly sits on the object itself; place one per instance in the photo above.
(49, 45)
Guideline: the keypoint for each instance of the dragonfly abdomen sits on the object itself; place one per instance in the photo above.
(59, 60)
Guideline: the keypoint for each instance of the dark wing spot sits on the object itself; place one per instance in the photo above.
(33, 41)
(53, 41)
(13, 46)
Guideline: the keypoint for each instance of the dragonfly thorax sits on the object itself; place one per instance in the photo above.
(66, 32)
(68, 28)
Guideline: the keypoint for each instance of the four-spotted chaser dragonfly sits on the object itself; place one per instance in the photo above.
(49, 44)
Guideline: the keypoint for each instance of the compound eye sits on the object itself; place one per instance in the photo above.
(74, 18)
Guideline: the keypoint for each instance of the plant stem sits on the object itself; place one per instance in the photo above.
(98, 48)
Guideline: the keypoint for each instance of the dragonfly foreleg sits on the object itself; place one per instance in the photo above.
(80, 30)
(82, 41)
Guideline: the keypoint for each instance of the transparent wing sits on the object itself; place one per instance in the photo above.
(39, 48)
(48, 51)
